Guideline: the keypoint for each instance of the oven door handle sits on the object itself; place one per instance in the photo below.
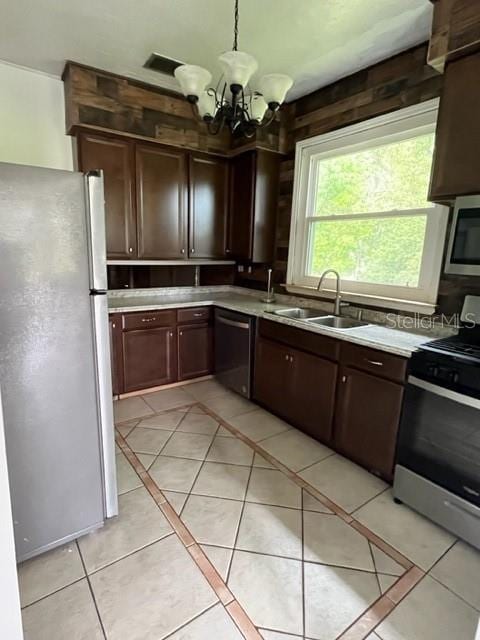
(463, 510)
(444, 393)
(233, 323)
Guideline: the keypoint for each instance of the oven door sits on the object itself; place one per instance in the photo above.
(439, 437)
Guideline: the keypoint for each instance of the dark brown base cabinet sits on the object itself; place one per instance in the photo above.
(366, 420)
(152, 349)
(298, 386)
(353, 406)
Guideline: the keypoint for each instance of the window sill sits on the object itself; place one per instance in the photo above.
(423, 308)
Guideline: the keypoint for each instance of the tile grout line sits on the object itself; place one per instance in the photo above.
(375, 567)
(412, 571)
(304, 619)
(189, 493)
(219, 586)
(52, 593)
(393, 553)
(91, 591)
(167, 440)
(314, 492)
(239, 521)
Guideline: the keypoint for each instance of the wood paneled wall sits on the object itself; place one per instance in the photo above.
(108, 102)
(455, 30)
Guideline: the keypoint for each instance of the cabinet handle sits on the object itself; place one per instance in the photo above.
(182, 251)
(344, 379)
(130, 250)
(227, 250)
(171, 334)
(181, 333)
(286, 357)
(148, 319)
(192, 250)
(198, 315)
(376, 363)
(291, 358)
(113, 325)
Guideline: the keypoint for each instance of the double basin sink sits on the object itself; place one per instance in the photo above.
(312, 316)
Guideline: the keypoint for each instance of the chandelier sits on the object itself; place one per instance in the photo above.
(231, 103)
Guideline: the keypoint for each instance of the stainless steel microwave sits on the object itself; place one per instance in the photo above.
(463, 254)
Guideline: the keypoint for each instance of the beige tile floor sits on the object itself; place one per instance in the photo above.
(298, 570)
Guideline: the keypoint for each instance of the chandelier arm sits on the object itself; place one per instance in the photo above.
(268, 121)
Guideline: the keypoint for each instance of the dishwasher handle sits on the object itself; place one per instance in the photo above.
(233, 323)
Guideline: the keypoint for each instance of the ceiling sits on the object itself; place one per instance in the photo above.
(314, 41)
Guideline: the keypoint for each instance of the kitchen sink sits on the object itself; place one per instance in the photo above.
(299, 313)
(337, 322)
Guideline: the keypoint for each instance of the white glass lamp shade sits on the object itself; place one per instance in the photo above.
(238, 67)
(192, 79)
(206, 105)
(257, 107)
(274, 87)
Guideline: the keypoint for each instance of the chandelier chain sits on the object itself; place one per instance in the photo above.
(235, 28)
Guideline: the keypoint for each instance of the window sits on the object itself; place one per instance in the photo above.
(360, 207)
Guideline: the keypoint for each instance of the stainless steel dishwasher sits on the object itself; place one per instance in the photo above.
(234, 343)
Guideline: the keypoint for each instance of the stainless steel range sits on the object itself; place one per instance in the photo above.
(438, 460)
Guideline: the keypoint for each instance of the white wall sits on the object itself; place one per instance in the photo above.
(10, 619)
(32, 119)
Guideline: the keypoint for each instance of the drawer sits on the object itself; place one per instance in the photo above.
(148, 320)
(193, 315)
(303, 340)
(379, 363)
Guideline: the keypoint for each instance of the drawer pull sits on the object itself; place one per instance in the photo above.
(198, 315)
(148, 319)
(286, 357)
(376, 363)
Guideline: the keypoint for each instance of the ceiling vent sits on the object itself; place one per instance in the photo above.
(161, 64)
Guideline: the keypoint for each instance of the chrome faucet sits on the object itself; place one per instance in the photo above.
(338, 304)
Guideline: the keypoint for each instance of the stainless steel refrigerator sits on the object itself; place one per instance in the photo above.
(55, 355)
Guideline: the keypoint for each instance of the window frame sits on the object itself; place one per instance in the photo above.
(395, 127)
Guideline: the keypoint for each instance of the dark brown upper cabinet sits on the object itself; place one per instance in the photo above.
(253, 203)
(161, 203)
(115, 156)
(161, 185)
(456, 166)
(208, 206)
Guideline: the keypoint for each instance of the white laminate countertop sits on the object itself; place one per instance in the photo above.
(401, 343)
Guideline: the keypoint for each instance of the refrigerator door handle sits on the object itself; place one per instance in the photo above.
(105, 402)
(96, 230)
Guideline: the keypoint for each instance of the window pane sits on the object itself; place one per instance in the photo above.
(386, 178)
(381, 250)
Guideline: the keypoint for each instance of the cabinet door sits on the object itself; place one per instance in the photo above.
(208, 206)
(161, 178)
(115, 353)
(272, 366)
(194, 350)
(149, 358)
(367, 417)
(312, 383)
(456, 165)
(115, 156)
(242, 202)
